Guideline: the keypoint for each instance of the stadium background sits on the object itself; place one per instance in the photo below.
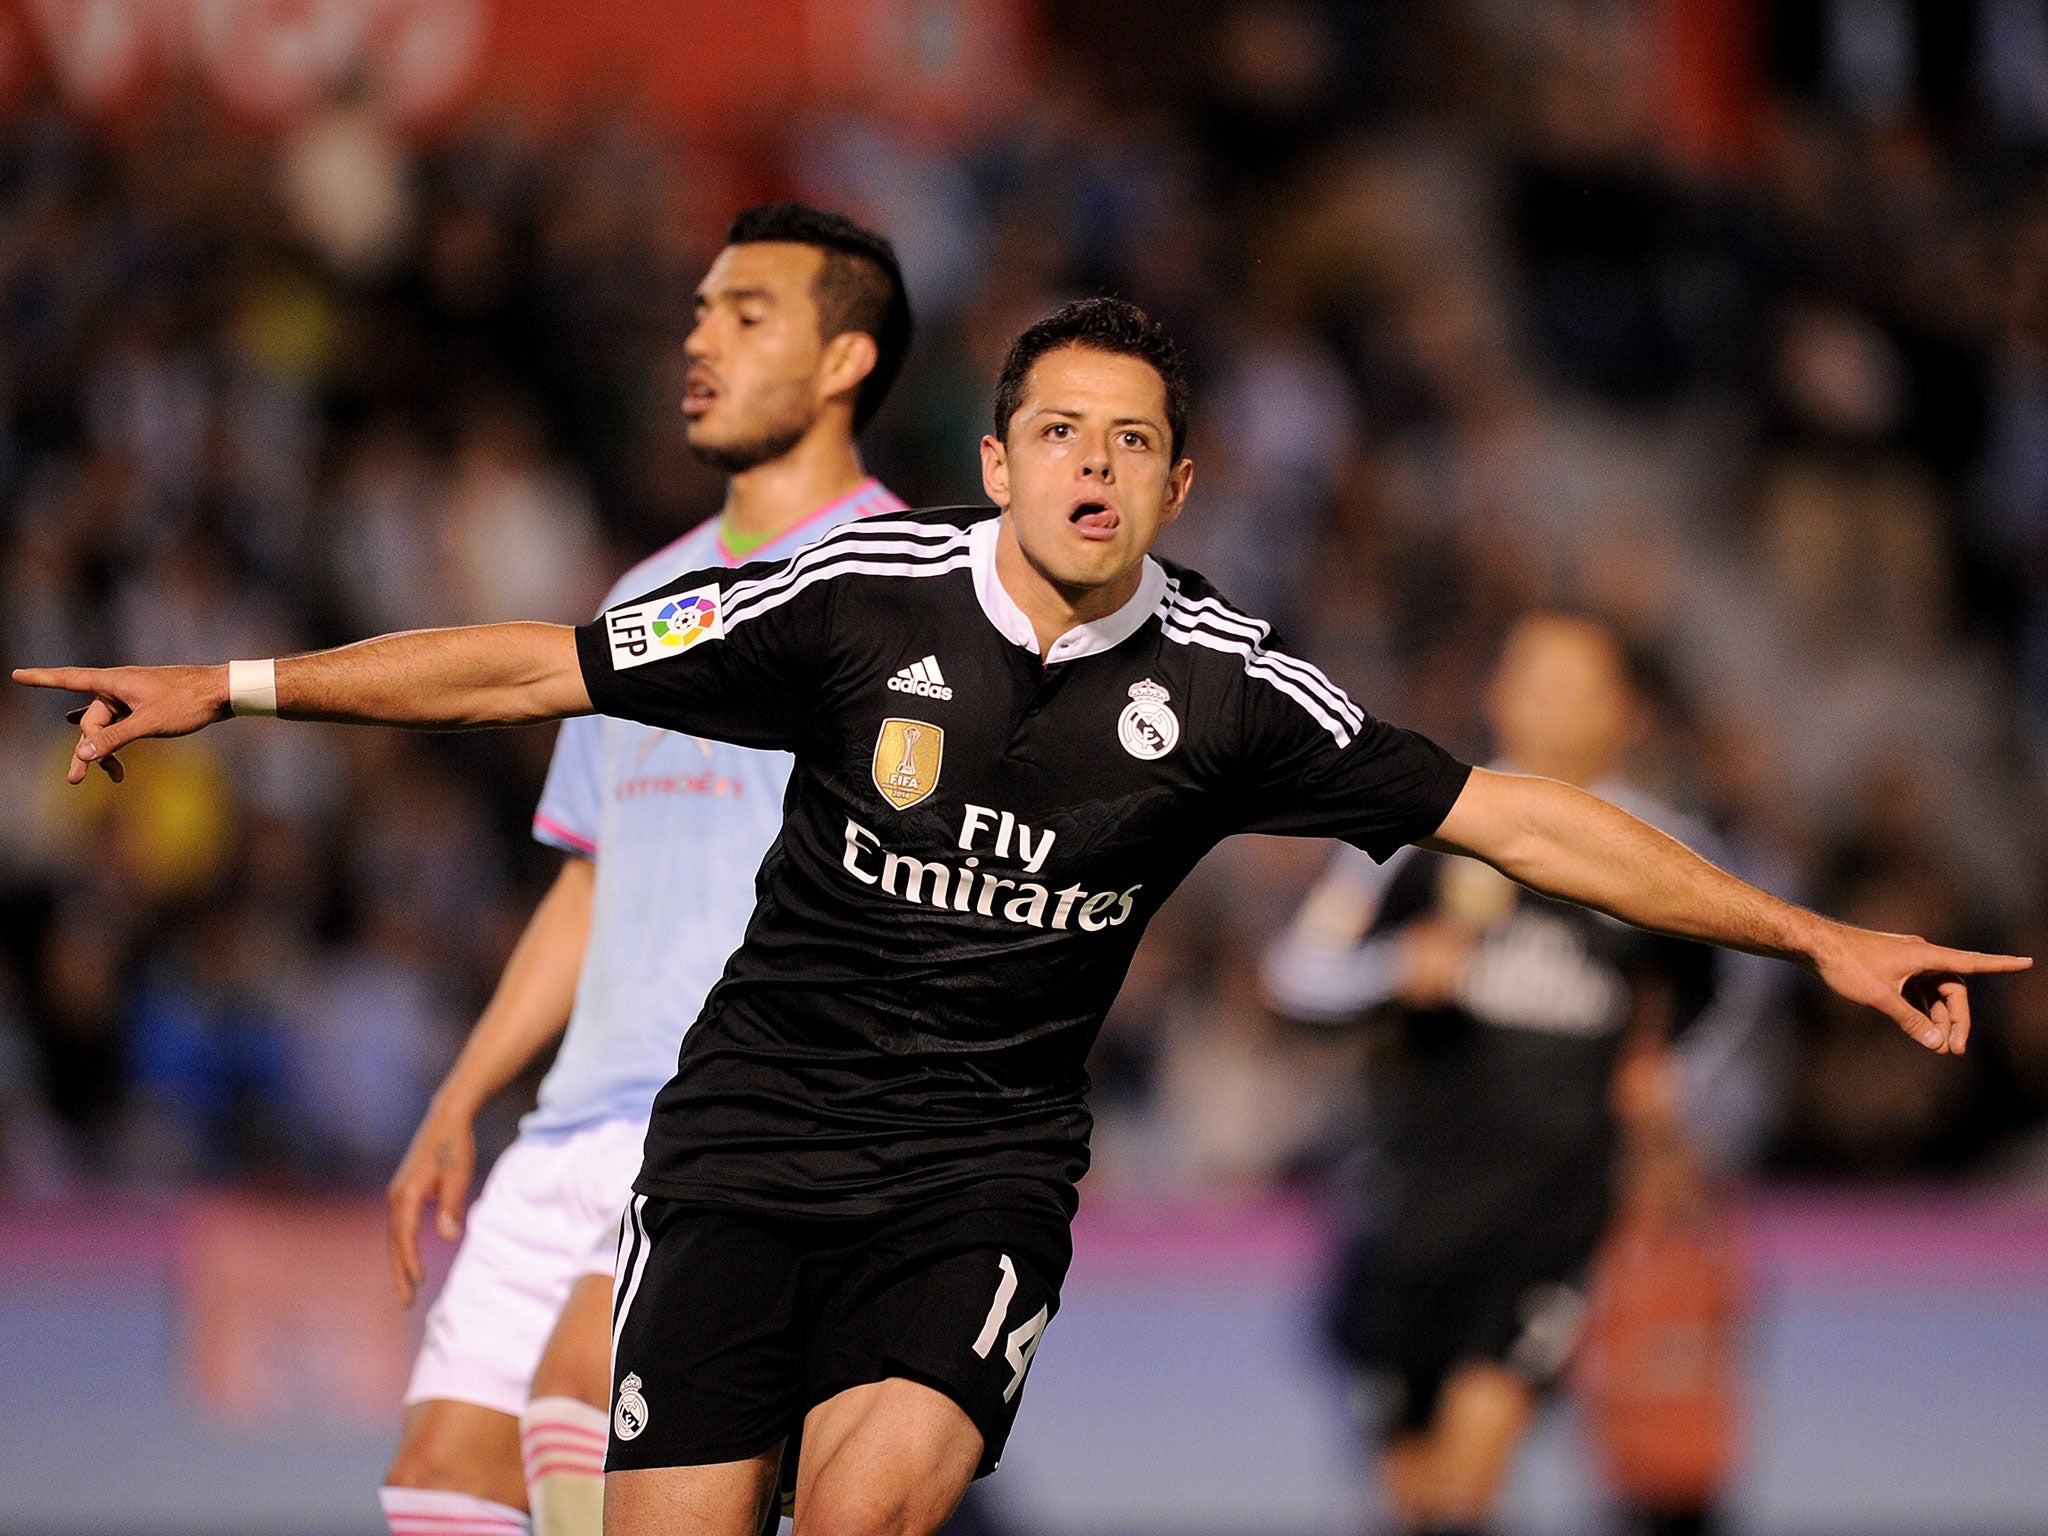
(1723, 318)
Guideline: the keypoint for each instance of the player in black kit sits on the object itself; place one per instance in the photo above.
(1014, 733)
(1492, 1120)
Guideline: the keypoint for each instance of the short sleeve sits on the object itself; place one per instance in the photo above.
(733, 655)
(573, 798)
(1319, 766)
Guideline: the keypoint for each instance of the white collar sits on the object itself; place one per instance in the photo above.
(1083, 639)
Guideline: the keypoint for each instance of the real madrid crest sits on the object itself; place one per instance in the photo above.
(1147, 728)
(907, 757)
(630, 1416)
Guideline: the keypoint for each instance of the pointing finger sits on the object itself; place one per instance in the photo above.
(1971, 963)
(71, 679)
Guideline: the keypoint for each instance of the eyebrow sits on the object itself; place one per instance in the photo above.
(1120, 421)
(734, 295)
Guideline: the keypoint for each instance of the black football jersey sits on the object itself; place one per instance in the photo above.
(1494, 1116)
(974, 838)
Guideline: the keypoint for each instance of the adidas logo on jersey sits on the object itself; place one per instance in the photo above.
(922, 678)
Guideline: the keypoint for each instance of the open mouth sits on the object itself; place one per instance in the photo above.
(1096, 519)
(698, 395)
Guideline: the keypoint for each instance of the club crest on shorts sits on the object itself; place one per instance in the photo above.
(1147, 728)
(630, 1416)
(907, 754)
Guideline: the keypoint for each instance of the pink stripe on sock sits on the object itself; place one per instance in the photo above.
(564, 1434)
(541, 1469)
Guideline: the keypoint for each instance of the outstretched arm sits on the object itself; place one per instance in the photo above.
(487, 674)
(1568, 844)
(529, 1008)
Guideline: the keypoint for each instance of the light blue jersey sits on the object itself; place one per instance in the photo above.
(678, 827)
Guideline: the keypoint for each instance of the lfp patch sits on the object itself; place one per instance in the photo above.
(662, 626)
(682, 621)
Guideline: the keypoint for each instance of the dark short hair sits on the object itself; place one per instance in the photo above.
(859, 288)
(1115, 326)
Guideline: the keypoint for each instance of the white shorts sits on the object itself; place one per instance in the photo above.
(548, 1216)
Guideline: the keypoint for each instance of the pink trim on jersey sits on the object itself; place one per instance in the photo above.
(409, 1524)
(886, 501)
(575, 840)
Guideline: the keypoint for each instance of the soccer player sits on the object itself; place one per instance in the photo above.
(802, 323)
(853, 1213)
(1492, 1118)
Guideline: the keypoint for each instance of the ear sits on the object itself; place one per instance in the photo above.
(1179, 481)
(995, 471)
(849, 358)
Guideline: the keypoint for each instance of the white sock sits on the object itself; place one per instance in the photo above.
(437, 1512)
(561, 1441)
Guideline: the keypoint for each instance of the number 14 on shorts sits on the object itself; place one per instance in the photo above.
(1022, 1343)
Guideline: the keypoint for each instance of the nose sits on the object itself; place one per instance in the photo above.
(697, 345)
(1095, 462)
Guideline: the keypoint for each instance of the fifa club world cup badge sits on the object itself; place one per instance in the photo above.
(630, 1417)
(907, 757)
(1147, 728)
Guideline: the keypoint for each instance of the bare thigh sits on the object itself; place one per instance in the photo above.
(891, 1458)
(459, 1448)
(728, 1498)
(1404, 1470)
(578, 1359)
(1481, 1416)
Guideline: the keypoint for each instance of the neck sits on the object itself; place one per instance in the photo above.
(1054, 607)
(765, 502)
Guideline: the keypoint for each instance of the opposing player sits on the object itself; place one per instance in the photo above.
(1493, 1112)
(853, 1215)
(801, 325)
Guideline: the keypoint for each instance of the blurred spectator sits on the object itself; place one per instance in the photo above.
(517, 540)
(367, 1035)
(208, 1049)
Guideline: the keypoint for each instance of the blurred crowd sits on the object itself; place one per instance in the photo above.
(1484, 317)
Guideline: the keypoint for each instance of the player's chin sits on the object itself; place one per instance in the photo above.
(1095, 557)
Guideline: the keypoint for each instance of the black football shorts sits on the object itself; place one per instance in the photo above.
(728, 1328)
(1516, 1302)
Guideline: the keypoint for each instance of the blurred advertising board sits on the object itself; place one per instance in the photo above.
(721, 67)
(287, 1312)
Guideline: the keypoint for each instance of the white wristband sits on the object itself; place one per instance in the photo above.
(252, 687)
